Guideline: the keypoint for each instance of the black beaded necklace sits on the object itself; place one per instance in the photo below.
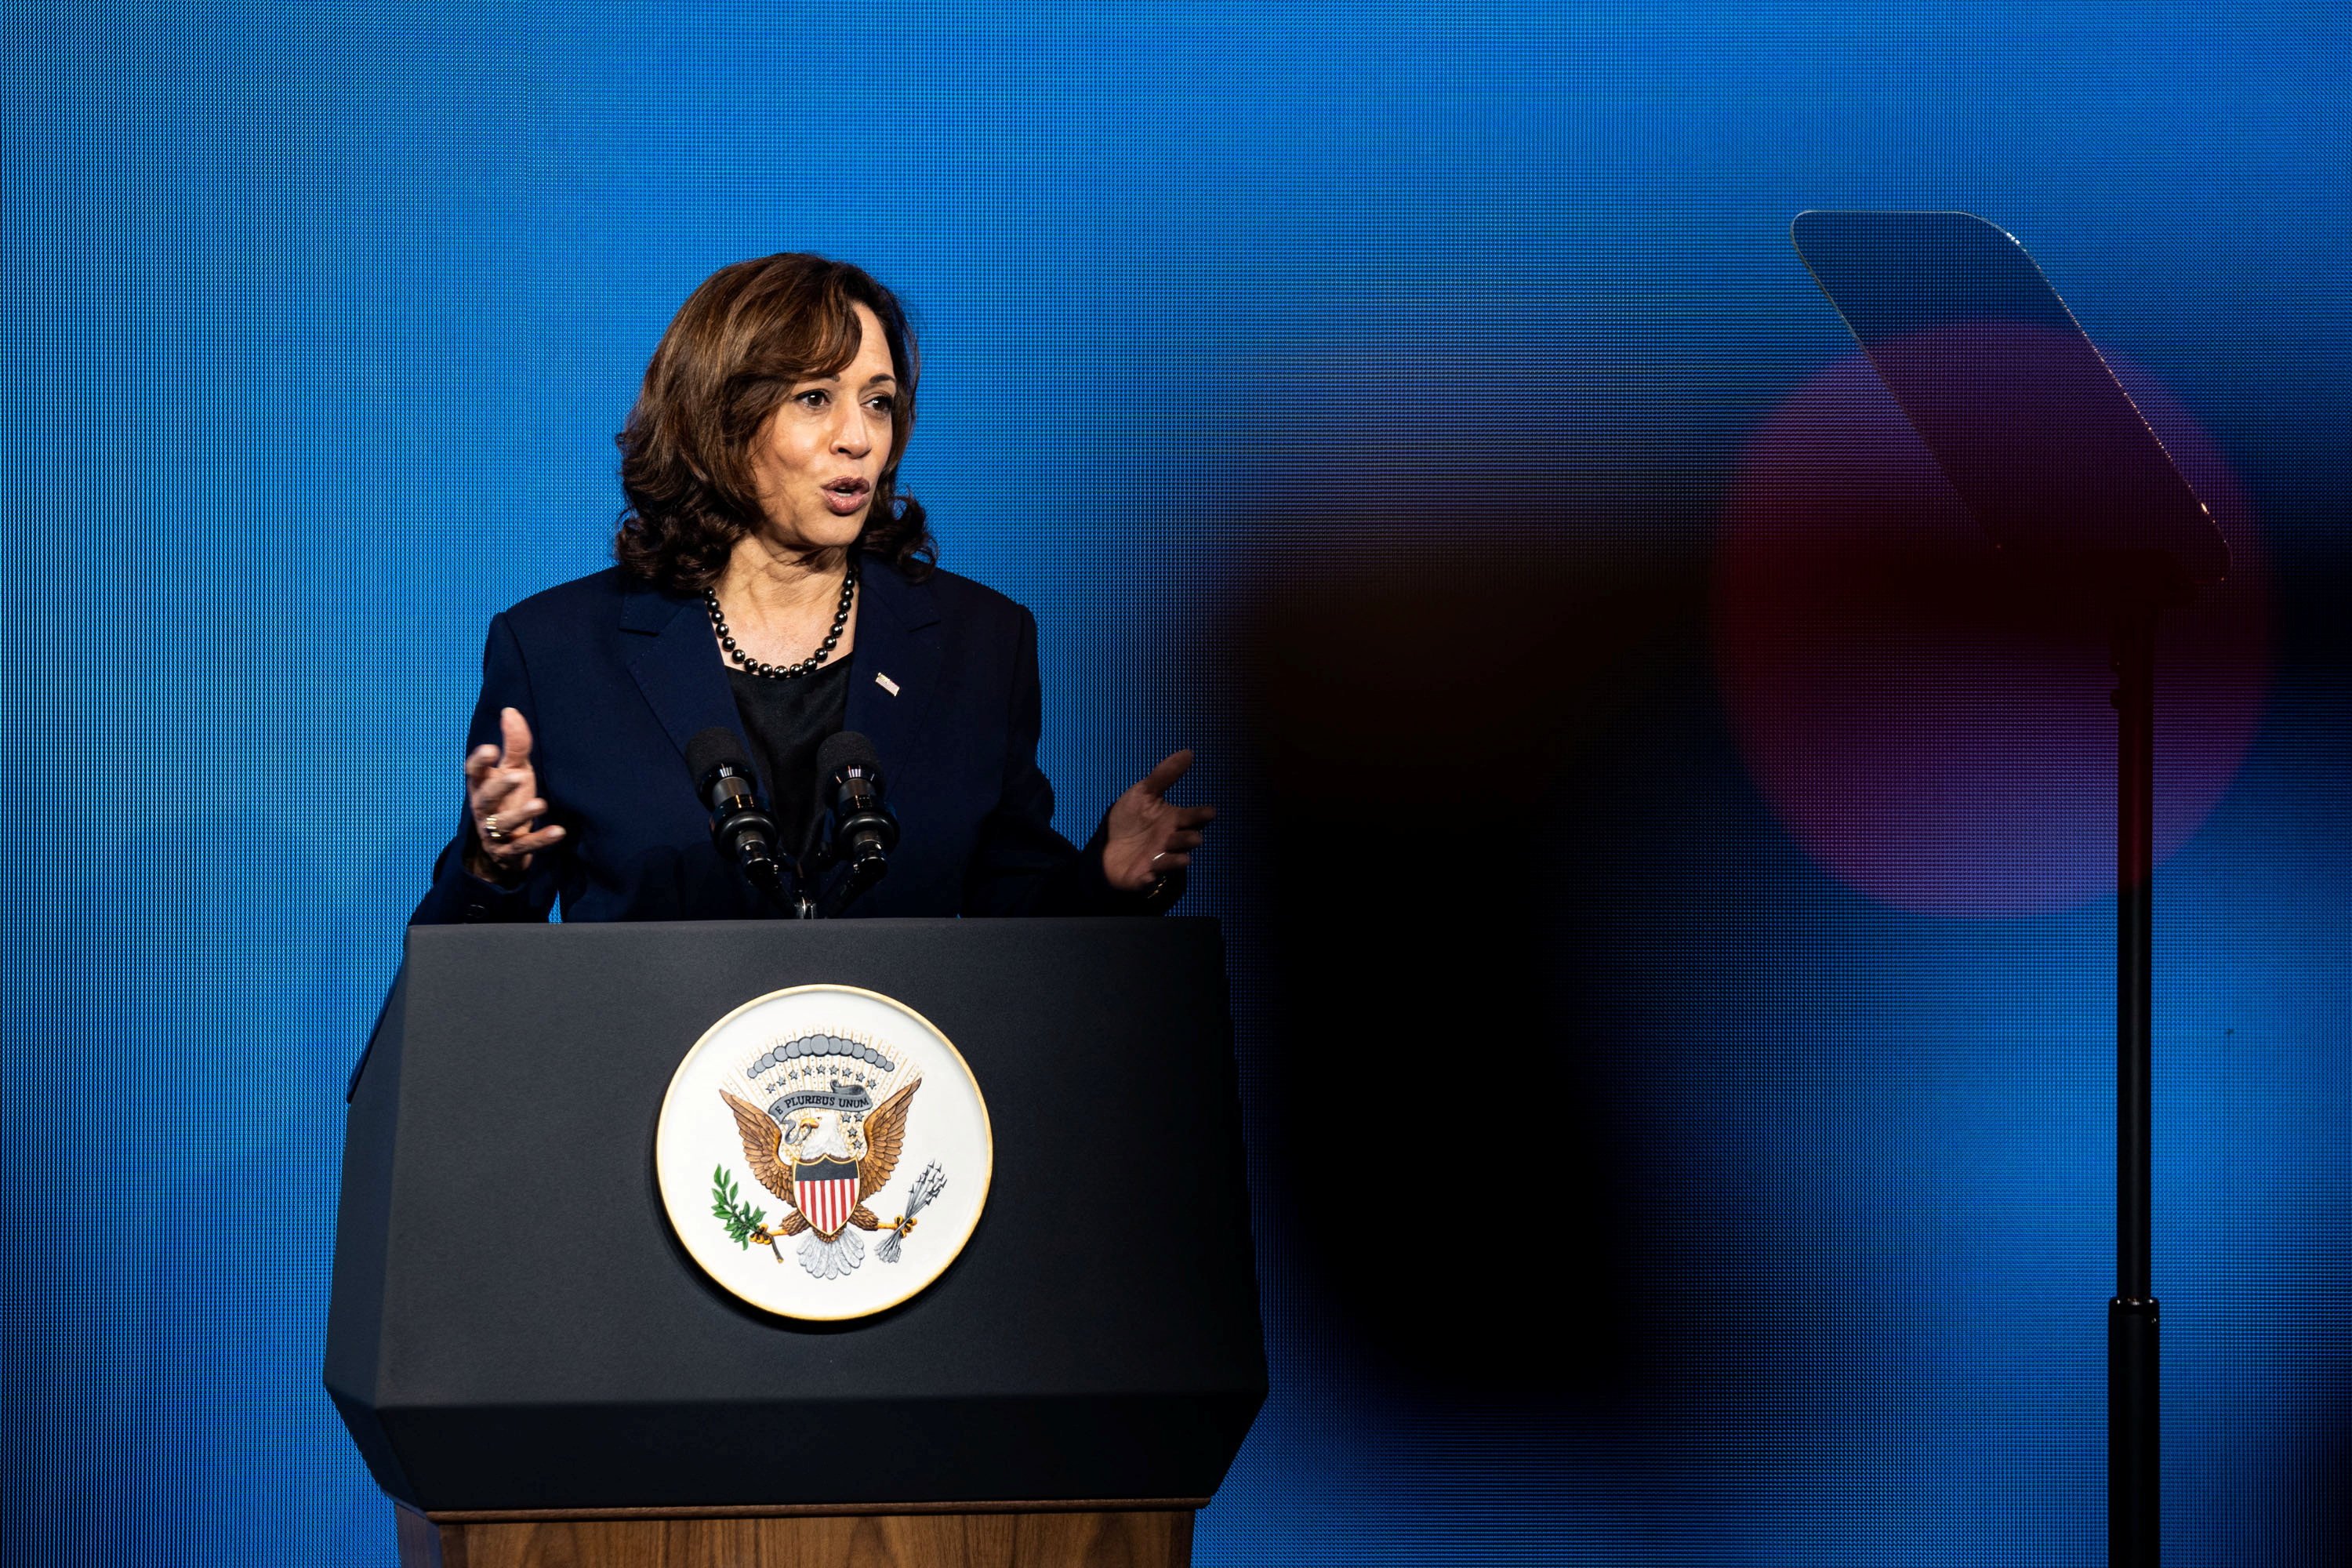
(785, 672)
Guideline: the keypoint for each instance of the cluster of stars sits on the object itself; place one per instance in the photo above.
(816, 1073)
(818, 1059)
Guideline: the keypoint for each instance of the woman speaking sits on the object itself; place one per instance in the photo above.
(774, 583)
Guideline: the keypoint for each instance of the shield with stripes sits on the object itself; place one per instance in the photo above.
(825, 1192)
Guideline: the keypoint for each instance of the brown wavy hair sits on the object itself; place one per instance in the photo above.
(734, 351)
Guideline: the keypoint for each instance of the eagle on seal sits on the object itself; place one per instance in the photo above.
(821, 1144)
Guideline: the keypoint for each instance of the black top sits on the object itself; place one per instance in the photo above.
(786, 722)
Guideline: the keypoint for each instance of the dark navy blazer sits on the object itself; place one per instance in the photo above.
(615, 677)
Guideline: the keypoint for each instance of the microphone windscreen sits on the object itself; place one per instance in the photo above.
(847, 748)
(711, 748)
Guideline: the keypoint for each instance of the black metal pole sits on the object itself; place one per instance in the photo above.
(2132, 1470)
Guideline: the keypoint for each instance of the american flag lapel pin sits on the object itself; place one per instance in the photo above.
(885, 683)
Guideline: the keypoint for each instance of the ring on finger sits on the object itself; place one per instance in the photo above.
(491, 832)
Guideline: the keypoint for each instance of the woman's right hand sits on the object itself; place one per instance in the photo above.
(502, 796)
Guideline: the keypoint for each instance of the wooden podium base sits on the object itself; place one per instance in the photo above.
(1143, 1533)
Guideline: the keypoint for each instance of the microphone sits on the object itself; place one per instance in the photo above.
(740, 825)
(850, 783)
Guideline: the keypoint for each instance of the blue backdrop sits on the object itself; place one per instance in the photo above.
(1238, 321)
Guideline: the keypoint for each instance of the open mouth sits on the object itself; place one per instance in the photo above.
(846, 496)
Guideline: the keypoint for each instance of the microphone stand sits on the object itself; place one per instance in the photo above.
(846, 890)
(860, 875)
(786, 884)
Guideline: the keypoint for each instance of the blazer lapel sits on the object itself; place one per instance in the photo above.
(895, 669)
(677, 666)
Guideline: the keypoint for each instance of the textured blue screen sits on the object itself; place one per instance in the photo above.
(1267, 348)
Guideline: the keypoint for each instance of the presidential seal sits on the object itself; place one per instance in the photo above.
(824, 1152)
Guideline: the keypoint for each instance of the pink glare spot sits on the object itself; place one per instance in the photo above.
(1930, 726)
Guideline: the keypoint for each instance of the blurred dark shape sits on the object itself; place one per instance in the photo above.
(1926, 718)
(1426, 727)
(1473, 640)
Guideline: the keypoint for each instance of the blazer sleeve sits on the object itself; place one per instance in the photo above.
(457, 896)
(1021, 865)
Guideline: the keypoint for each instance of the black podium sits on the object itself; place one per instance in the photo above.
(535, 1369)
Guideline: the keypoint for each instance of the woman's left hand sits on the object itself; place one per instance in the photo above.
(1145, 837)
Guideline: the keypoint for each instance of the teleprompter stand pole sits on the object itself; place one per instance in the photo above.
(2066, 477)
(2132, 1409)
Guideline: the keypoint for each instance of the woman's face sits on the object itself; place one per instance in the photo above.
(819, 456)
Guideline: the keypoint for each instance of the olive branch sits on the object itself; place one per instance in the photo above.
(743, 1222)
